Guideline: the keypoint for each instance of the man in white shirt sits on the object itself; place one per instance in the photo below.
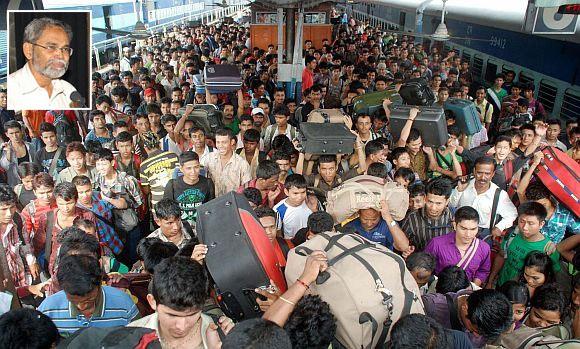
(46, 46)
(125, 63)
(227, 169)
(479, 193)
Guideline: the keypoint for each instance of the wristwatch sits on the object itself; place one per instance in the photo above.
(393, 223)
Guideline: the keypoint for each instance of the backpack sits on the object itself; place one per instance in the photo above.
(66, 131)
(367, 286)
(555, 336)
(363, 192)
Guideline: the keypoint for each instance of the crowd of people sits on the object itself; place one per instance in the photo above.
(98, 209)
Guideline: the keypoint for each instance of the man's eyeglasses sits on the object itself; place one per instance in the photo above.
(53, 49)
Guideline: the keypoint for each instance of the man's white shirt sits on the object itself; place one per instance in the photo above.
(483, 204)
(24, 93)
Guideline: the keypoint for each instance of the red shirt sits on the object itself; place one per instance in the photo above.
(50, 116)
(307, 79)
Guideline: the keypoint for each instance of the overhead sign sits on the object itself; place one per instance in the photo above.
(570, 9)
(549, 21)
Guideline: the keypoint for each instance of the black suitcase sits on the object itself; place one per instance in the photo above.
(326, 138)
(222, 78)
(417, 92)
(240, 256)
(430, 122)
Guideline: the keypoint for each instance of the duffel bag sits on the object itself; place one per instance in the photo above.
(551, 337)
(333, 116)
(559, 173)
(367, 287)
(362, 192)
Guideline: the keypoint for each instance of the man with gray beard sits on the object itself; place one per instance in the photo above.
(37, 84)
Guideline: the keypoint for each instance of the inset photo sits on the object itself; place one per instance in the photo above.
(49, 56)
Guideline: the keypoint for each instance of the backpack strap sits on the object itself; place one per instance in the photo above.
(494, 208)
(49, 228)
(210, 311)
(54, 161)
(284, 246)
(17, 219)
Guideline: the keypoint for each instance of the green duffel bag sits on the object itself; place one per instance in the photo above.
(370, 103)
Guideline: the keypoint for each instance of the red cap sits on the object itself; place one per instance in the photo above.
(149, 92)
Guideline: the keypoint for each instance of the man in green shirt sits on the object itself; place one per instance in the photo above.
(525, 238)
(229, 120)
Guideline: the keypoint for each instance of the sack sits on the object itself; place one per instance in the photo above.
(417, 92)
(370, 103)
(363, 192)
(240, 257)
(66, 131)
(559, 173)
(333, 116)
(367, 287)
(466, 116)
(430, 122)
(555, 336)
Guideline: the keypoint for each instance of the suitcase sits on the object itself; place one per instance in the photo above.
(430, 122)
(559, 173)
(240, 257)
(466, 115)
(199, 84)
(370, 103)
(333, 116)
(326, 138)
(417, 92)
(222, 78)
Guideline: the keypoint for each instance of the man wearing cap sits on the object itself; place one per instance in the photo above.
(37, 85)
(157, 169)
(125, 62)
(260, 119)
(148, 98)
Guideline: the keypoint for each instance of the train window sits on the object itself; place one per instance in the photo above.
(526, 78)
(477, 67)
(570, 105)
(547, 94)
(466, 57)
(446, 49)
(506, 68)
(490, 72)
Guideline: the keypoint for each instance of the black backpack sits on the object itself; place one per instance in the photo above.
(66, 131)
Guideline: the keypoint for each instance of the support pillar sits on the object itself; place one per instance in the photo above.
(290, 33)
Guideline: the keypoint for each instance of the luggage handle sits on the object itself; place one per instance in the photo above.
(366, 317)
(305, 251)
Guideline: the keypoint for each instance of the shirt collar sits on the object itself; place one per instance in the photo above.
(99, 307)
(32, 84)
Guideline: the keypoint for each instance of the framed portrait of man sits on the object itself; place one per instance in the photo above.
(49, 56)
